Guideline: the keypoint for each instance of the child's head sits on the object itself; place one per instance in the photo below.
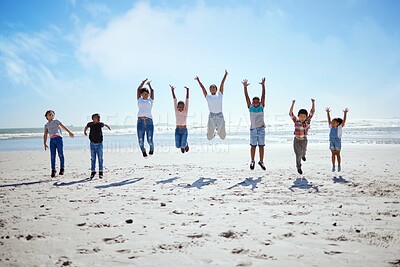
(96, 118)
(180, 106)
(50, 115)
(303, 114)
(336, 122)
(213, 89)
(256, 102)
(144, 93)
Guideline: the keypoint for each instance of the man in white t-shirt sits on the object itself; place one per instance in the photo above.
(216, 120)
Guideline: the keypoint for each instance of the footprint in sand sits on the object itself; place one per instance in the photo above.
(114, 240)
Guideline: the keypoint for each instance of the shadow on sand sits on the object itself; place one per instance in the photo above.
(340, 180)
(167, 181)
(25, 183)
(201, 182)
(248, 182)
(72, 182)
(122, 183)
(302, 183)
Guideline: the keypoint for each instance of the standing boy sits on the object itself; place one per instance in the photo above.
(96, 143)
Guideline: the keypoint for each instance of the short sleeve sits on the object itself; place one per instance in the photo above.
(101, 124)
(293, 117)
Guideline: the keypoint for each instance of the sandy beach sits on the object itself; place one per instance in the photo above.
(204, 208)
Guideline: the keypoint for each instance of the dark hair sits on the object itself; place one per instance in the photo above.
(338, 120)
(181, 103)
(213, 85)
(302, 111)
(96, 115)
(256, 97)
(142, 90)
(48, 112)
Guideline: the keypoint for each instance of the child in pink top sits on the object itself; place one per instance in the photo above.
(181, 112)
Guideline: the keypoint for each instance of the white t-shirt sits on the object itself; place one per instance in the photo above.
(145, 106)
(215, 102)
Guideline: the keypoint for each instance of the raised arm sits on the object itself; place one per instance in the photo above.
(221, 87)
(173, 91)
(140, 87)
(328, 115)
(201, 85)
(46, 132)
(151, 90)
(66, 129)
(187, 98)
(187, 92)
(246, 94)
(312, 107)
(345, 116)
(291, 108)
(263, 91)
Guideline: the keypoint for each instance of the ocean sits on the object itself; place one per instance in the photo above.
(123, 138)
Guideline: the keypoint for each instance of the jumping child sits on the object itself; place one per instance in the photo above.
(301, 126)
(257, 124)
(181, 113)
(335, 137)
(216, 120)
(53, 129)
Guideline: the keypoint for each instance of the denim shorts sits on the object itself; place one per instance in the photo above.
(335, 144)
(257, 137)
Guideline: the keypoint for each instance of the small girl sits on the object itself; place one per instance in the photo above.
(335, 137)
(145, 119)
(52, 129)
(181, 113)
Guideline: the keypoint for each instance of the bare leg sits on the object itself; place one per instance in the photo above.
(333, 157)
(253, 152)
(261, 151)
(338, 157)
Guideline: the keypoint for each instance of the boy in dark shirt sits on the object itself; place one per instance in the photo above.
(96, 143)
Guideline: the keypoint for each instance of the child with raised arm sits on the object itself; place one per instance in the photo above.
(53, 129)
(257, 124)
(181, 113)
(96, 143)
(145, 120)
(216, 120)
(335, 136)
(301, 126)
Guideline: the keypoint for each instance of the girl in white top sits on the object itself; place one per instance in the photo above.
(145, 119)
(216, 120)
(181, 113)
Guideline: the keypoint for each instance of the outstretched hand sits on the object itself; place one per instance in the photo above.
(312, 100)
(328, 110)
(197, 78)
(172, 87)
(346, 110)
(226, 72)
(245, 83)
(187, 88)
(262, 81)
(293, 101)
(148, 82)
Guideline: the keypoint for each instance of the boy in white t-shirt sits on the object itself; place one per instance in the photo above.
(216, 120)
(335, 136)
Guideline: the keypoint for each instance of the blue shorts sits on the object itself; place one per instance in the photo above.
(335, 144)
(257, 137)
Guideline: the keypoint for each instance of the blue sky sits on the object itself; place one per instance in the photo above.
(80, 57)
